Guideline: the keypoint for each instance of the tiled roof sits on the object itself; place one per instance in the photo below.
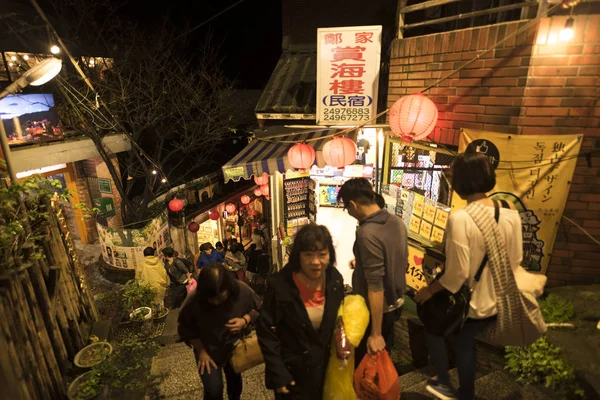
(292, 86)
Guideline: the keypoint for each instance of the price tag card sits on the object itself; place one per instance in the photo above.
(441, 218)
(425, 230)
(437, 235)
(429, 212)
(418, 205)
(415, 224)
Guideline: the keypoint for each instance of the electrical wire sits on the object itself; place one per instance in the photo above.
(583, 230)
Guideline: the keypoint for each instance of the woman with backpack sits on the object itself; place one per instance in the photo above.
(181, 272)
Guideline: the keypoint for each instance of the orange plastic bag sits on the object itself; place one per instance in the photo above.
(376, 378)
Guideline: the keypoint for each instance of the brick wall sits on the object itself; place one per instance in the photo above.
(86, 174)
(532, 84)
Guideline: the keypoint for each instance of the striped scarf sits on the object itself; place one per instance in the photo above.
(519, 321)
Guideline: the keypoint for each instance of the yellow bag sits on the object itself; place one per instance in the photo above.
(340, 373)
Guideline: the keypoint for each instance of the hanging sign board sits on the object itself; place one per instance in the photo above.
(104, 185)
(348, 61)
(534, 173)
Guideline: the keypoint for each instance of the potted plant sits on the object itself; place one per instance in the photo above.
(92, 354)
(135, 295)
(125, 370)
(159, 314)
(87, 386)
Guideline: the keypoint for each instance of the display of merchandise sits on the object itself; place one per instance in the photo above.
(424, 218)
(300, 204)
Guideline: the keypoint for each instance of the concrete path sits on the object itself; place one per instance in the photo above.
(181, 381)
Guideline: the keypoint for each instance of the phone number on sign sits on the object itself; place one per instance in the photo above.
(346, 114)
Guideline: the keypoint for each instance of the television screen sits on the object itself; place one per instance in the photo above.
(30, 118)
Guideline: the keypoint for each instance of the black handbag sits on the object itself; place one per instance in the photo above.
(445, 312)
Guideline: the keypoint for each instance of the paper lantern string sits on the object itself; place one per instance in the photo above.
(525, 27)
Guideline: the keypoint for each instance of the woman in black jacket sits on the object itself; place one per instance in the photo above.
(210, 321)
(298, 316)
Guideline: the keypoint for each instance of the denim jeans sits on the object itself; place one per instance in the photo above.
(213, 383)
(463, 344)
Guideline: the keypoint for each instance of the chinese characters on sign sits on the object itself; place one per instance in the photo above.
(347, 74)
(534, 173)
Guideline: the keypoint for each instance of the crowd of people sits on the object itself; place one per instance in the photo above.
(296, 319)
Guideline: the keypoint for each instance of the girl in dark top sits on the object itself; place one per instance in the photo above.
(297, 320)
(211, 320)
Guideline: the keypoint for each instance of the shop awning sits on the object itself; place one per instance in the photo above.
(270, 155)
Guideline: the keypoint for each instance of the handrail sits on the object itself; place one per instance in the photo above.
(470, 14)
(426, 5)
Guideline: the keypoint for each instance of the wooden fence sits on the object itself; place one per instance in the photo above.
(45, 309)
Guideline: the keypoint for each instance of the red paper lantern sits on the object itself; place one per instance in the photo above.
(413, 117)
(257, 192)
(301, 156)
(339, 152)
(262, 179)
(245, 199)
(230, 208)
(193, 227)
(264, 189)
(213, 214)
(176, 205)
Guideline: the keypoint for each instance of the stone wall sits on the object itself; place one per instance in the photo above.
(531, 84)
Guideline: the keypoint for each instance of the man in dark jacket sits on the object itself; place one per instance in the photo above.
(381, 251)
(180, 273)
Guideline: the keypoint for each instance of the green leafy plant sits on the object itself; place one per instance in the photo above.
(89, 387)
(127, 367)
(135, 295)
(87, 212)
(556, 309)
(24, 215)
(542, 363)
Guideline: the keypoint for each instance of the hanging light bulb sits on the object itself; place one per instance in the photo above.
(567, 33)
(154, 172)
(55, 49)
(25, 57)
(164, 180)
(10, 64)
(13, 58)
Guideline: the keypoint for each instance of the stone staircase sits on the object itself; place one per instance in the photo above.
(497, 385)
(176, 365)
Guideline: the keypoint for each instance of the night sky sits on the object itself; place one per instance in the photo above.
(249, 34)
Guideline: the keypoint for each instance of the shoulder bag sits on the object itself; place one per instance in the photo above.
(519, 321)
(246, 353)
(445, 312)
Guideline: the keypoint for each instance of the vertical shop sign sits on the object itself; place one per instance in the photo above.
(348, 61)
(534, 173)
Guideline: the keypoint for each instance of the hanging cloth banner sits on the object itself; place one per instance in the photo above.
(534, 173)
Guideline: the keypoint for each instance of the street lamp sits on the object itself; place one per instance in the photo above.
(35, 76)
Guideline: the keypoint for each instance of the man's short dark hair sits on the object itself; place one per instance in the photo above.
(168, 252)
(308, 239)
(219, 245)
(472, 173)
(358, 190)
(149, 251)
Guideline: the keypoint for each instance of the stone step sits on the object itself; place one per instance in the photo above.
(500, 385)
(415, 377)
(418, 390)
